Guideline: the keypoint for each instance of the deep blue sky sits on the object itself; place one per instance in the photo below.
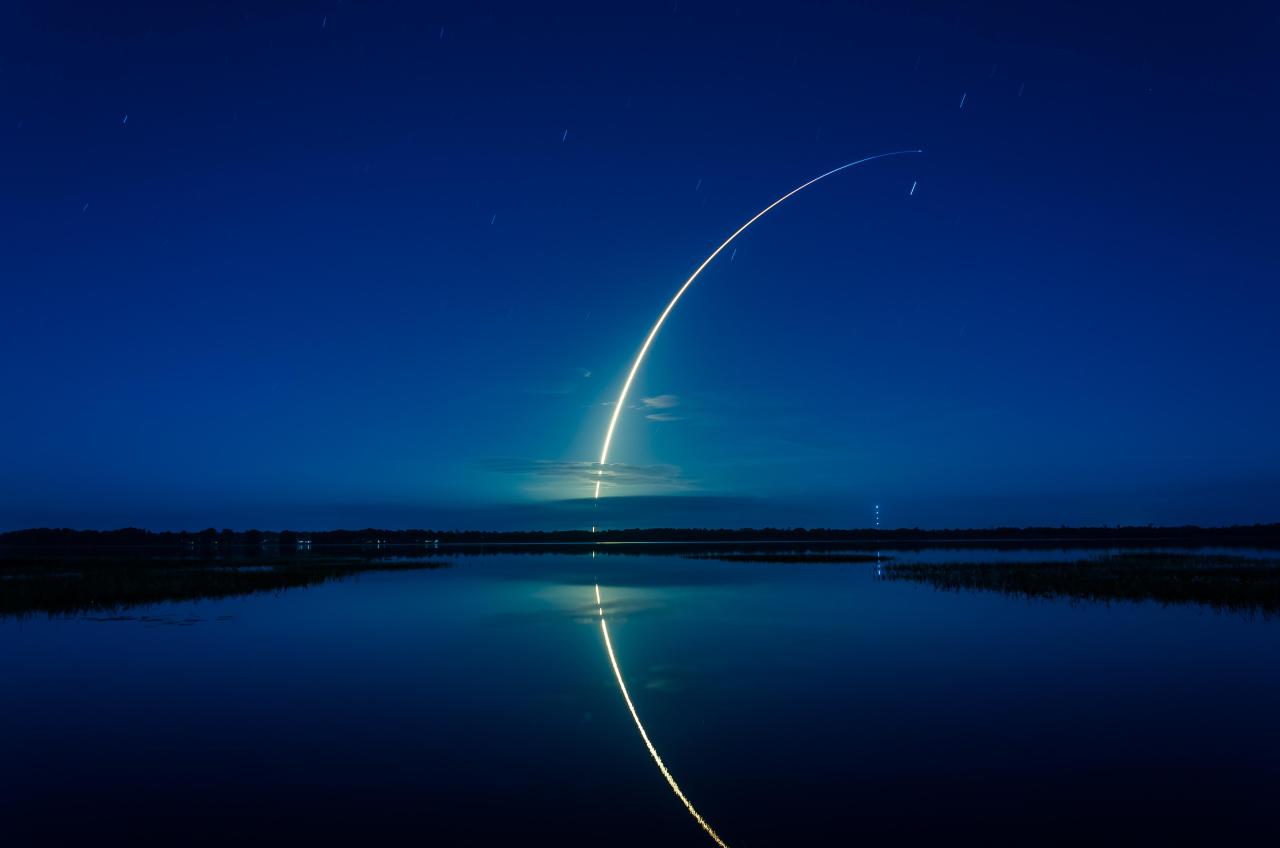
(277, 295)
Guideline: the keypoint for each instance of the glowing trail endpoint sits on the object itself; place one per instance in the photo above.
(644, 348)
(653, 752)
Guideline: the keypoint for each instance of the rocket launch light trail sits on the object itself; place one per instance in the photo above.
(644, 348)
(653, 752)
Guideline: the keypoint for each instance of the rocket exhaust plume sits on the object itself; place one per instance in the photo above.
(644, 348)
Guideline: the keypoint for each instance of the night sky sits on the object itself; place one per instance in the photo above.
(345, 264)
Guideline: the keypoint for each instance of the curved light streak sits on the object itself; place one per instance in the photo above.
(653, 752)
(644, 348)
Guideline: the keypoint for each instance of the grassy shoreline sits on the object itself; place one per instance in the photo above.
(1227, 583)
(70, 588)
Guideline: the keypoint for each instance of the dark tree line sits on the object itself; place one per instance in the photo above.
(211, 538)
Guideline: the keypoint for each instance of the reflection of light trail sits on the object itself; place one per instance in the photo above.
(653, 752)
(644, 348)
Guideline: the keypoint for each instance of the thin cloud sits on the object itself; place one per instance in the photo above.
(660, 402)
(614, 473)
(663, 416)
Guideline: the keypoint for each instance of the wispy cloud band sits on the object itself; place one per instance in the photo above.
(614, 473)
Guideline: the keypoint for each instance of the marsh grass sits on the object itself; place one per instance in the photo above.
(76, 588)
(1228, 583)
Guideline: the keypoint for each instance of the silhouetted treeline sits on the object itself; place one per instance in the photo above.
(213, 543)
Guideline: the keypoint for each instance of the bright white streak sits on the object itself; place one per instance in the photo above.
(644, 348)
(653, 752)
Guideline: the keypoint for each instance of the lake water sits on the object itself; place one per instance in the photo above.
(793, 704)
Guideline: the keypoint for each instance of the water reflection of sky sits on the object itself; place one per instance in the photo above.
(473, 704)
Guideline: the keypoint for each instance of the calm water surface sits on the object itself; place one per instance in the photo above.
(794, 704)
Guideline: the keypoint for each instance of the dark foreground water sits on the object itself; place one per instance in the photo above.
(793, 703)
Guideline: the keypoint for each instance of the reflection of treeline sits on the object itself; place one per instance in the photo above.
(1224, 582)
(212, 543)
(782, 557)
